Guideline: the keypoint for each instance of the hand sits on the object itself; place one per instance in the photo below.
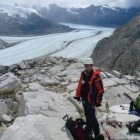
(97, 105)
(77, 98)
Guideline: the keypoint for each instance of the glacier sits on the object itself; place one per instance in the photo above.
(76, 44)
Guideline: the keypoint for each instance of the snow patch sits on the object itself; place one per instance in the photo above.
(13, 10)
(69, 10)
(106, 6)
(102, 10)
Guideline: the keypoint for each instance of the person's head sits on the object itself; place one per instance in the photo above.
(88, 64)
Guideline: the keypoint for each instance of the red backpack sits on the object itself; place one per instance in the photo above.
(75, 127)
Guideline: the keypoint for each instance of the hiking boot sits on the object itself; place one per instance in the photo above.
(132, 128)
(99, 137)
(91, 138)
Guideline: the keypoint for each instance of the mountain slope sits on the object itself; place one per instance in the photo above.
(121, 51)
(18, 20)
(102, 15)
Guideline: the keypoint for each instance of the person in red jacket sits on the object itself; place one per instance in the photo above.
(90, 90)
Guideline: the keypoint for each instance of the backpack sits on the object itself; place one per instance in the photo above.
(75, 126)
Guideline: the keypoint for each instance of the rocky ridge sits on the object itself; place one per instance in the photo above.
(120, 51)
(35, 95)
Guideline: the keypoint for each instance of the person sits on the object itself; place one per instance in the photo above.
(90, 90)
(135, 105)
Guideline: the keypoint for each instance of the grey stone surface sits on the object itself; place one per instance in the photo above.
(9, 103)
(3, 109)
(34, 86)
(120, 81)
(37, 127)
(15, 107)
(46, 103)
(8, 83)
(117, 74)
(48, 82)
(109, 83)
(6, 118)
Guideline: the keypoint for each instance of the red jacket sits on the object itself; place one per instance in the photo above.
(96, 89)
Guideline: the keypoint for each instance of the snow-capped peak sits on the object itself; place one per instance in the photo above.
(12, 9)
(72, 12)
(106, 6)
(48, 7)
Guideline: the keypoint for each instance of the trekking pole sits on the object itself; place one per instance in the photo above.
(107, 106)
(65, 117)
(106, 131)
(128, 96)
(121, 98)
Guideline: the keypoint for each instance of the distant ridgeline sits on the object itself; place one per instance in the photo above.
(102, 15)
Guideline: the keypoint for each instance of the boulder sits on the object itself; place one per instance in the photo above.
(117, 74)
(50, 82)
(120, 81)
(2, 69)
(129, 77)
(37, 127)
(47, 103)
(72, 86)
(22, 65)
(56, 69)
(76, 66)
(70, 72)
(34, 86)
(6, 118)
(111, 95)
(14, 107)
(72, 78)
(12, 68)
(132, 88)
(26, 80)
(8, 83)
(3, 109)
(109, 75)
(103, 75)
(9, 103)
(64, 83)
(109, 83)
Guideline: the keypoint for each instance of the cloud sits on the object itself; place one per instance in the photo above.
(78, 3)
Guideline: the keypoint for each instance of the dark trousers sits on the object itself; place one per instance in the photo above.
(91, 120)
(133, 107)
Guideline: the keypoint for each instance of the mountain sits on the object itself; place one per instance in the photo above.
(16, 20)
(102, 15)
(121, 51)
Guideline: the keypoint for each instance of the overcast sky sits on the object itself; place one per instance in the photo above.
(79, 3)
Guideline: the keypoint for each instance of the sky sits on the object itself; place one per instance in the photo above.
(78, 3)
